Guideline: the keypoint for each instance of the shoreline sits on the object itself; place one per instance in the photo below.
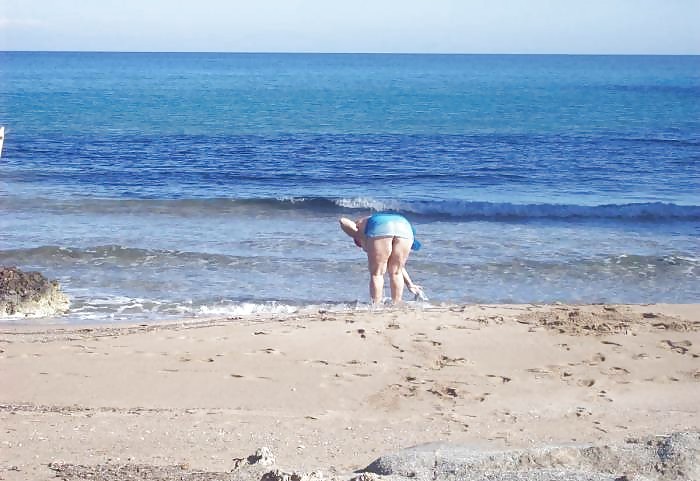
(335, 390)
(28, 324)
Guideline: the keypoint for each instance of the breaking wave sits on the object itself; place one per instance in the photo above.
(454, 209)
(654, 211)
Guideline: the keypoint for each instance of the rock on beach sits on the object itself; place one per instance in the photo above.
(29, 294)
(674, 457)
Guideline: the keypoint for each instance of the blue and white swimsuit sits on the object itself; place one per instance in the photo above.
(391, 225)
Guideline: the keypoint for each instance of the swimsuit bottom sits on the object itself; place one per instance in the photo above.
(388, 225)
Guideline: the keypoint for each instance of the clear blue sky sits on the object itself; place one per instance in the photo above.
(447, 26)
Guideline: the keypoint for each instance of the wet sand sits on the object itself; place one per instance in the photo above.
(332, 391)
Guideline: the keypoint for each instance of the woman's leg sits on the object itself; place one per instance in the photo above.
(378, 253)
(397, 260)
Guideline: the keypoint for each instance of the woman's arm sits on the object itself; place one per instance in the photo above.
(348, 226)
(413, 288)
(407, 280)
(355, 229)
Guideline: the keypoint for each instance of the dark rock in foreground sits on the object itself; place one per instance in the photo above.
(29, 294)
(661, 458)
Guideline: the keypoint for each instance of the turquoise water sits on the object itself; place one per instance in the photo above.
(157, 185)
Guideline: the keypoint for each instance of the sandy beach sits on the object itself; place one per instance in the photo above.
(332, 391)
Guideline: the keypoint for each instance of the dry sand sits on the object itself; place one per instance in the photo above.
(332, 391)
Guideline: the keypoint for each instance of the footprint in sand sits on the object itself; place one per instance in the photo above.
(602, 394)
(482, 397)
(444, 391)
(586, 382)
(681, 347)
(434, 343)
(540, 372)
(445, 361)
(261, 378)
(617, 371)
(619, 374)
(270, 350)
(411, 391)
(583, 412)
(403, 391)
(597, 426)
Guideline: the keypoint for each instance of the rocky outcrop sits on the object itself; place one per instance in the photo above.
(29, 294)
(661, 458)
(675, 457)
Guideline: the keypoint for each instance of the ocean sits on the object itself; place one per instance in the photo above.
(158, 186)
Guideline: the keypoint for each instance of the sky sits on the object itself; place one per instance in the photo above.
(395, 26)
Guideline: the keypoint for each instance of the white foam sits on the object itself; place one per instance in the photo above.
(245, 308)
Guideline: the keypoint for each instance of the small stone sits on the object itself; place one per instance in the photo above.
(263, 457)
(277, 475)
(366, 477)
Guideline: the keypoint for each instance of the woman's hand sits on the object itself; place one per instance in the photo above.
(417, 291)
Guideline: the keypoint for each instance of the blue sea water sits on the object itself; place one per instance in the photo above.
(158, 185)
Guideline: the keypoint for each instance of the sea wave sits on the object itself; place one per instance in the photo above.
(683, 262)
(652, 211)
(140, 258)
(109, 254)
(450, 209)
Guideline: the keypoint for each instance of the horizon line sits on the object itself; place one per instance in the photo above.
(311, 52)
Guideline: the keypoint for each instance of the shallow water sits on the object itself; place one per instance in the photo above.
(159, 185)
